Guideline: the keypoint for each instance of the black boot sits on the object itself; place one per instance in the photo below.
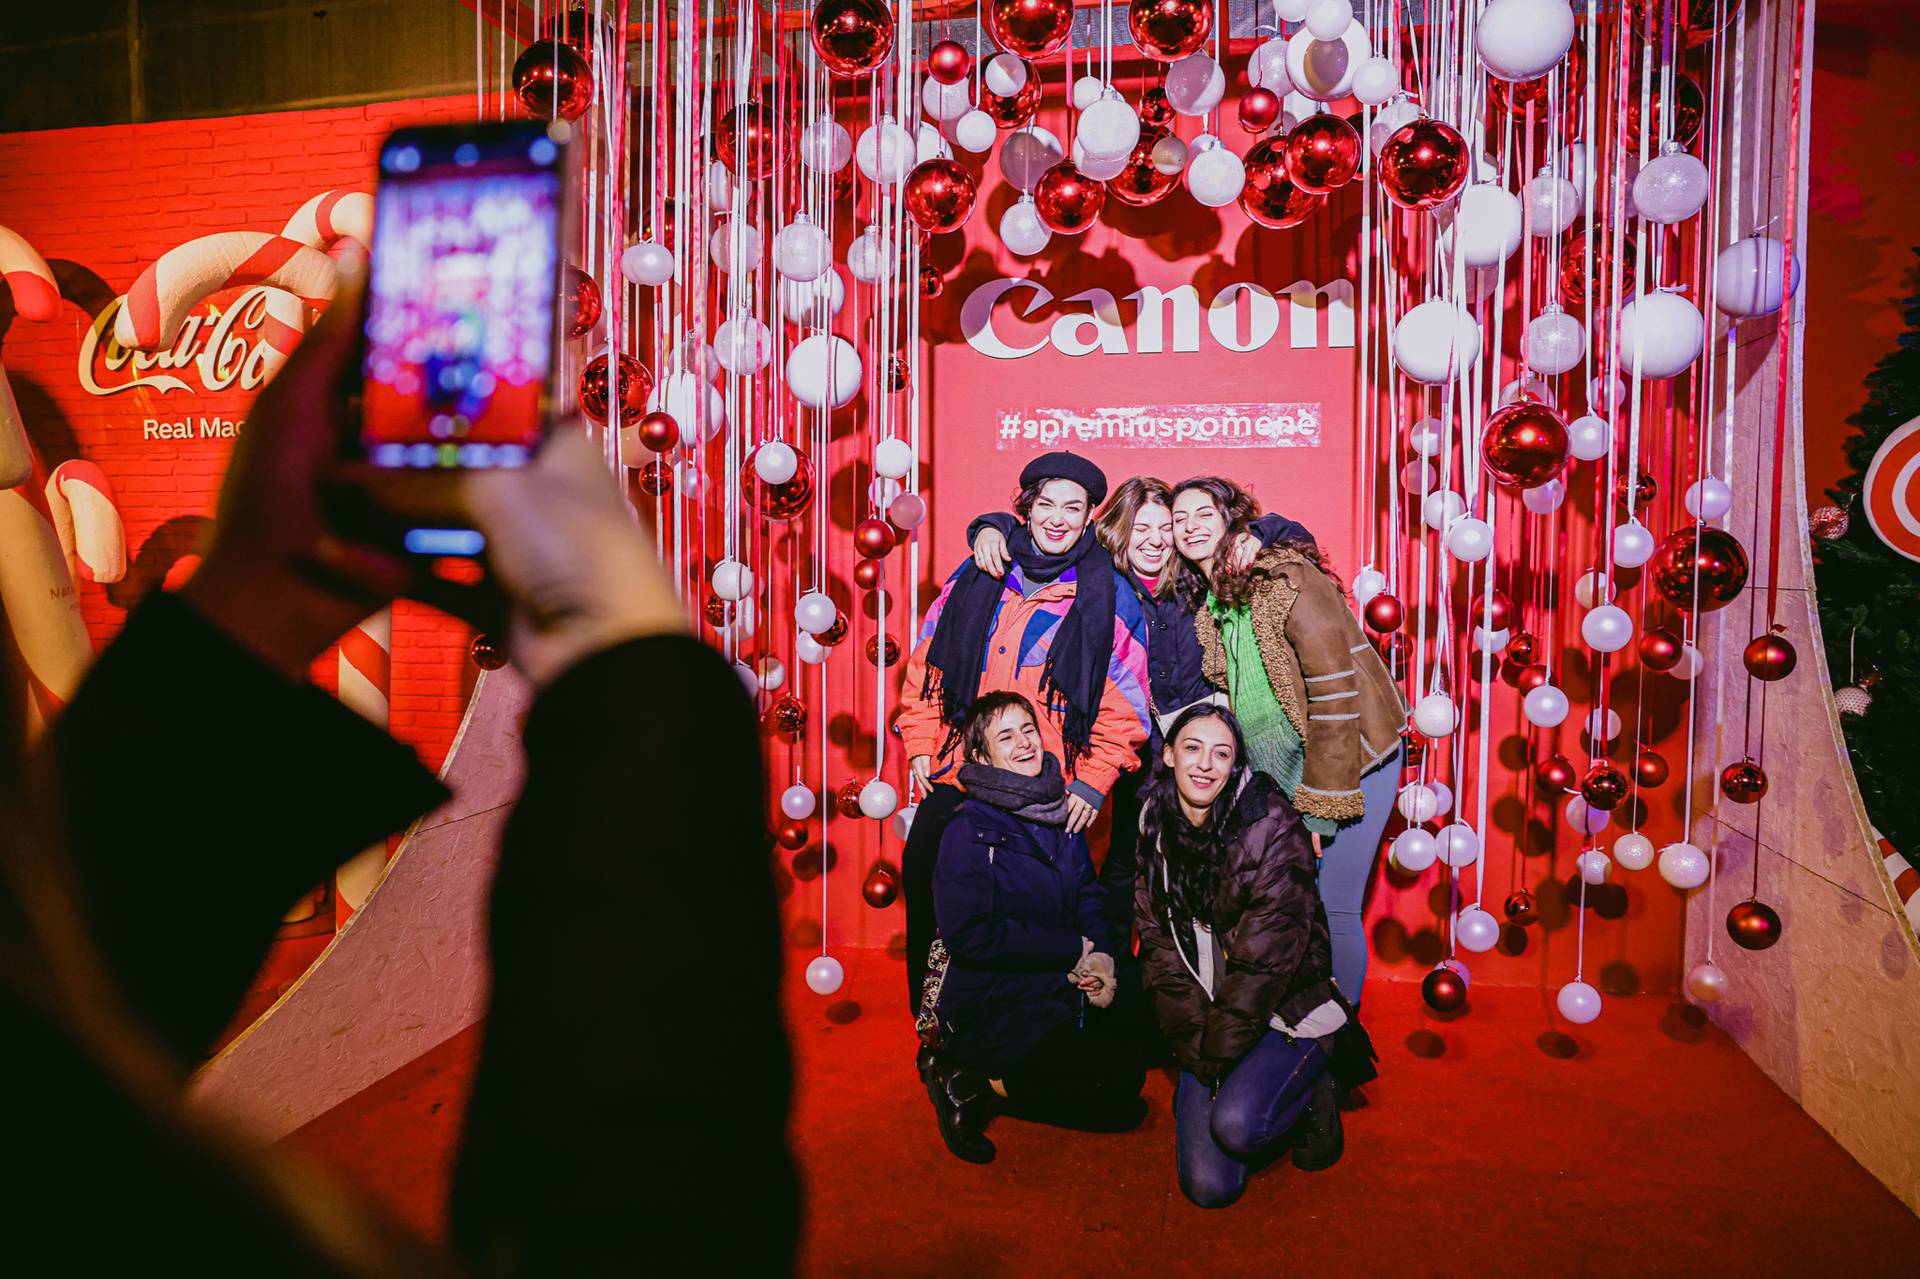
(962, 1102)
(923, 1063)
(1321, 1140)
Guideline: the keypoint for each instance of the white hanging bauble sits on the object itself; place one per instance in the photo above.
(1684, 866)
(679, 395)
(798, 803)
(1495, 642)
(1690, 663)
(1523, 39)
(1545, 706)
(1021, 229)
(903, 822)
(647, 263)
(1747, 276)
(690, 482)
(824, 975)
(1589, 438)
(1441, 509)
(1671, 187)
(1607, 629)
(1661, 334)
(1470, 540)
(1442, 796)
(929, 144)
(883, 492)
(1633, 544)
(1578, 1002)
(878, 800)
(772, 672)
(1544, 499)
(743, 345)
(946, 101)
(893, 458)
(1087, 90)
(1707, 498)
(801, 250)
(1417, 803)
(1108, 128)
(823, 371)
(1215, 175)
(1476, 930)
(885, 152)
(1375, 81)
(719, 187)
(1459, 845)
(825, 146)
(1594, 866)
(1584, 817)
(1005, 75)
(1607, 722)
(1169, 155)
(1435, 715)
(815, 612)
(1195, 84)
(1324, 69)
(775, 462)
(975, 131)
(748, 680)
(1401, 110)
(1291, 10)
(732, 580)
(1098, 168)
(1487, 224)
(1555, 342)
(1533, 388)
(907, 512)
(1367, 583)
(1552, 203)
(1592, 587)
(1413, 850)
(799, 301)
(1427, 437)
(809, 650)
(1419, 476)
(1707, 983)
(1027, 154)
(1267, 67)
(735, 258)
(1435, 341)
(866, 260)
(1633, 851)
(1605, 393)
(1329, 19)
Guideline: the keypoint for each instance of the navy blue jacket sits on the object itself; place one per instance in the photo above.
(1173, 647)
(1013, 900)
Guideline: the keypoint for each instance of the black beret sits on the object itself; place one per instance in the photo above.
(1066, 466)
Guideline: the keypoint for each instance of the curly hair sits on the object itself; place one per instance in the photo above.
(1233, 588)
(1114, 524)
(1194, 855)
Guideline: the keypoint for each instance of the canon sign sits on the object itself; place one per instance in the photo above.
(1163, 320)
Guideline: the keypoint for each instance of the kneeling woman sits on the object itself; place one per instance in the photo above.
(1022, 971)
(1234, 949)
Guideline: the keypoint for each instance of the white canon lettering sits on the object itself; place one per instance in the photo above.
(1263, 314)
(1103, 319)
(1303, 326)
(1148, 324)
(976, 317)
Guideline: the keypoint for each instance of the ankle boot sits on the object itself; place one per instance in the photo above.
(962, 1102)
(1321, 1139)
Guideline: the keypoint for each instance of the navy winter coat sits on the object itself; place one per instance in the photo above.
(1012, 900)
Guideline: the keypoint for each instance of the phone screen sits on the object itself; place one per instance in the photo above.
(461, 315)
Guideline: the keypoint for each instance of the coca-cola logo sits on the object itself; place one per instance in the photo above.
(221, 349)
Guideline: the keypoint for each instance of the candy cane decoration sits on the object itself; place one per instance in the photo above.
(183, 277)
(330, 217)
(366, 658)
(35, 295)
(87, 522)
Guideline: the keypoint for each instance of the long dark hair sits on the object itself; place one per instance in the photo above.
(1230, 588)
(1194, 855)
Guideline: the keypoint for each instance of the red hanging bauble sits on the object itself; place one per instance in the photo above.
(1394, 649)
(1529, 678)
(1521, 649)
(1555, 774)
(1012, 110)
(1605, 787)
(1444, 991)
(1710, 561)
(1259, 110)
(788, 715)
(579, 301)
(1524, 444)
(1067, 200)
(939, 195)
(873, 651)
(575, 27)
(1689, 111)
(897, 372)
(1415, 747)
(1650, 768)
(932, 283)
(658, 432)
(1169, 30)
(1573, 265)
(553, 80)
(873, 538)
(1659, 649)
(716, 611)
(780, 501)
(1030, 28)
(1753, 925)
(835, 633)
(1825, 523)
(1423, 164)
(1384, 613)
(1323, 152)
(744, 139)
(1770, 657)
(847, 799)
(1139, 183)
(636, 383)
(1155, 109)
(791, 835)
(949, 62)
(880, 887)
(1514, 95)
(1693, 21)
(654, 479)
(867, 574)
(1644, 489)
(1270, 197)
(487, 653)
(852, 37)
(1743, 782)
(1499, 609)
(1520, 908)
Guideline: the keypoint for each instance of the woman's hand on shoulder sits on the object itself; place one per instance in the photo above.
(990, 553)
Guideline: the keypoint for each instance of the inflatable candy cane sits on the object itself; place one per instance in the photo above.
(185, 276)
(80, 501)
(330, 217)
(366, 656)
(35, 297)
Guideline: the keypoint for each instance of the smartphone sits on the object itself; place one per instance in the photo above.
(462, 323)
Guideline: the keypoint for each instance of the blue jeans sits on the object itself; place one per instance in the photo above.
(1215, 1137)
(1346, 868)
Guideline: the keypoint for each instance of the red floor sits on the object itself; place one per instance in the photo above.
(1497, 1143)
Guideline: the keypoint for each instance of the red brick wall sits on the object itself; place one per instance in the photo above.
(100, 205)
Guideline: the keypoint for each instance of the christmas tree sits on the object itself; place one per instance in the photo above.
(1869, 599)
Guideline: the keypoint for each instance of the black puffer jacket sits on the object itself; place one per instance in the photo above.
(1271, 926)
